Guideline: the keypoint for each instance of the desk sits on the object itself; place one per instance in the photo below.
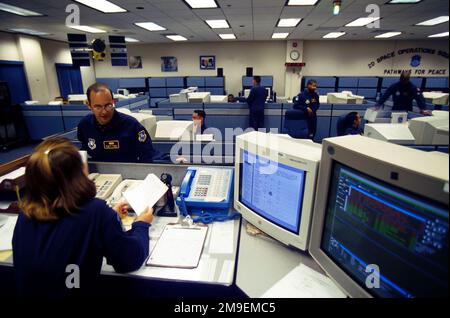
(262, 262)
(214, 277)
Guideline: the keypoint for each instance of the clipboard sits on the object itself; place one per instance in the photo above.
(179, 247)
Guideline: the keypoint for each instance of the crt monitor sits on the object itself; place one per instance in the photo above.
(275, 185)
(381, 223)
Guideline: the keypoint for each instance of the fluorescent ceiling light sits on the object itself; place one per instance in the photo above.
(227, 36)
(19, 11)
(362, 22)
(102, 5)
(150, 26)
(131, 40)
(334, 35)
(403, 1)
(302, 2)
(288, 23)
(218, 24)
(86, 28)
(280, 35)
(388, 35)
(201, 4)
(29, 31)
(434, 21)
(439, 35)
(176, 37)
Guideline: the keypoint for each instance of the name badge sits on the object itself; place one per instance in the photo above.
(111, 145)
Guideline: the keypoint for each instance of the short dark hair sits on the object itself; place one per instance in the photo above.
(201, 113)
(350, 118)
(257, 79)
(311, 81)
(97, 87)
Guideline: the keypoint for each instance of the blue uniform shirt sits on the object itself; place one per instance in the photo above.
(403, 96)
(257, 99)
(307, 99)
(353, 131)
(43, 250)
(124, 139)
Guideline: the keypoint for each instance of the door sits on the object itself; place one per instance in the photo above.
(69, 79)
(13, 73)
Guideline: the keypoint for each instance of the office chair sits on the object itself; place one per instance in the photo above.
(341, 125)
(296, 124)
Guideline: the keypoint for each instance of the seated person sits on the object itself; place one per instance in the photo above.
(62, 223)
(232, 99)
(198, 116)
(352, 123)
(108, 135)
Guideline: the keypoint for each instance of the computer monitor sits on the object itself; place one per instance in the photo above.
(395, 133)
(381, 221)
(431, 130)
(275, 179)
(173, 130)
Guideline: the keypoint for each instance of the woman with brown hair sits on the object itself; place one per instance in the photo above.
(64, 230)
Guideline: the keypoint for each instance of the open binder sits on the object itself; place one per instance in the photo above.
(179, 247)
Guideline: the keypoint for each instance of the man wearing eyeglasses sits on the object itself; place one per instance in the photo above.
(108, 135)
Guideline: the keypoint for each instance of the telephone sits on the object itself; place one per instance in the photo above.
(125, 185)
(207, 193)
(105, 183)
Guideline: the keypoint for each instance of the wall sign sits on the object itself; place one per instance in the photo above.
(416, 60)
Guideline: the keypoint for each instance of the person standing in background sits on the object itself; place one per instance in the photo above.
(308, 101)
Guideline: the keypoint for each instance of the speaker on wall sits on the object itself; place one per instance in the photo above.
(220, 72)
(249, 71)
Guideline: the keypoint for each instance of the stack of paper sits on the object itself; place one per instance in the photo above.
(146, 194)
(304, 282)
(6, 233)
(13, 175)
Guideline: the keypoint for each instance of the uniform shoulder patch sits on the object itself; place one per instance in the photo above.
(142, 136)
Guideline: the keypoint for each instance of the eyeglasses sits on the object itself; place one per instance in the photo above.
(99, 108)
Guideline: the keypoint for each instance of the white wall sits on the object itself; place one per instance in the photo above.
(267, 58)
(8, 48)
(351, 58)
(54, 52)
(31, 53)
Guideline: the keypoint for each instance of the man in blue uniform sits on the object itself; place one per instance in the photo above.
(308, 101)
(108, 135)
(404, 92)
(198, 116)
(256, 101)
(353, 124)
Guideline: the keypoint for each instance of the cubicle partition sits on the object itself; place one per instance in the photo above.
(42, 120)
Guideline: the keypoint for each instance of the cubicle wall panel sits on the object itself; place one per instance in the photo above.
(368, 82)
(173, 90)
(135, 82)
(158, 92)
(326, 90)
(155, 82)
(113, 83)
(214, 81)
(195, 81)
(323, 128)
(344, 82)
(369, 93)
(43, 121)
(175, 82)
(215, 90)
(154, 102)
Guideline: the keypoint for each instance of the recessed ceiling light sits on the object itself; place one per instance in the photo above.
(362, 21)
(334, 35)
(150, 26)
(218, 24)
(86, 28)
(227, 36)
(388, 35)
(280, 35)
(434, 21)
(403, 1)
(176, 37)
(131, 40)
(201, 4)
(19, 11)
(302, 2)
(29, 31)
(288, 23)
(439, 35)
(102, 5)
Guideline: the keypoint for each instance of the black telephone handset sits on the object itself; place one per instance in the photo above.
(169, 208)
